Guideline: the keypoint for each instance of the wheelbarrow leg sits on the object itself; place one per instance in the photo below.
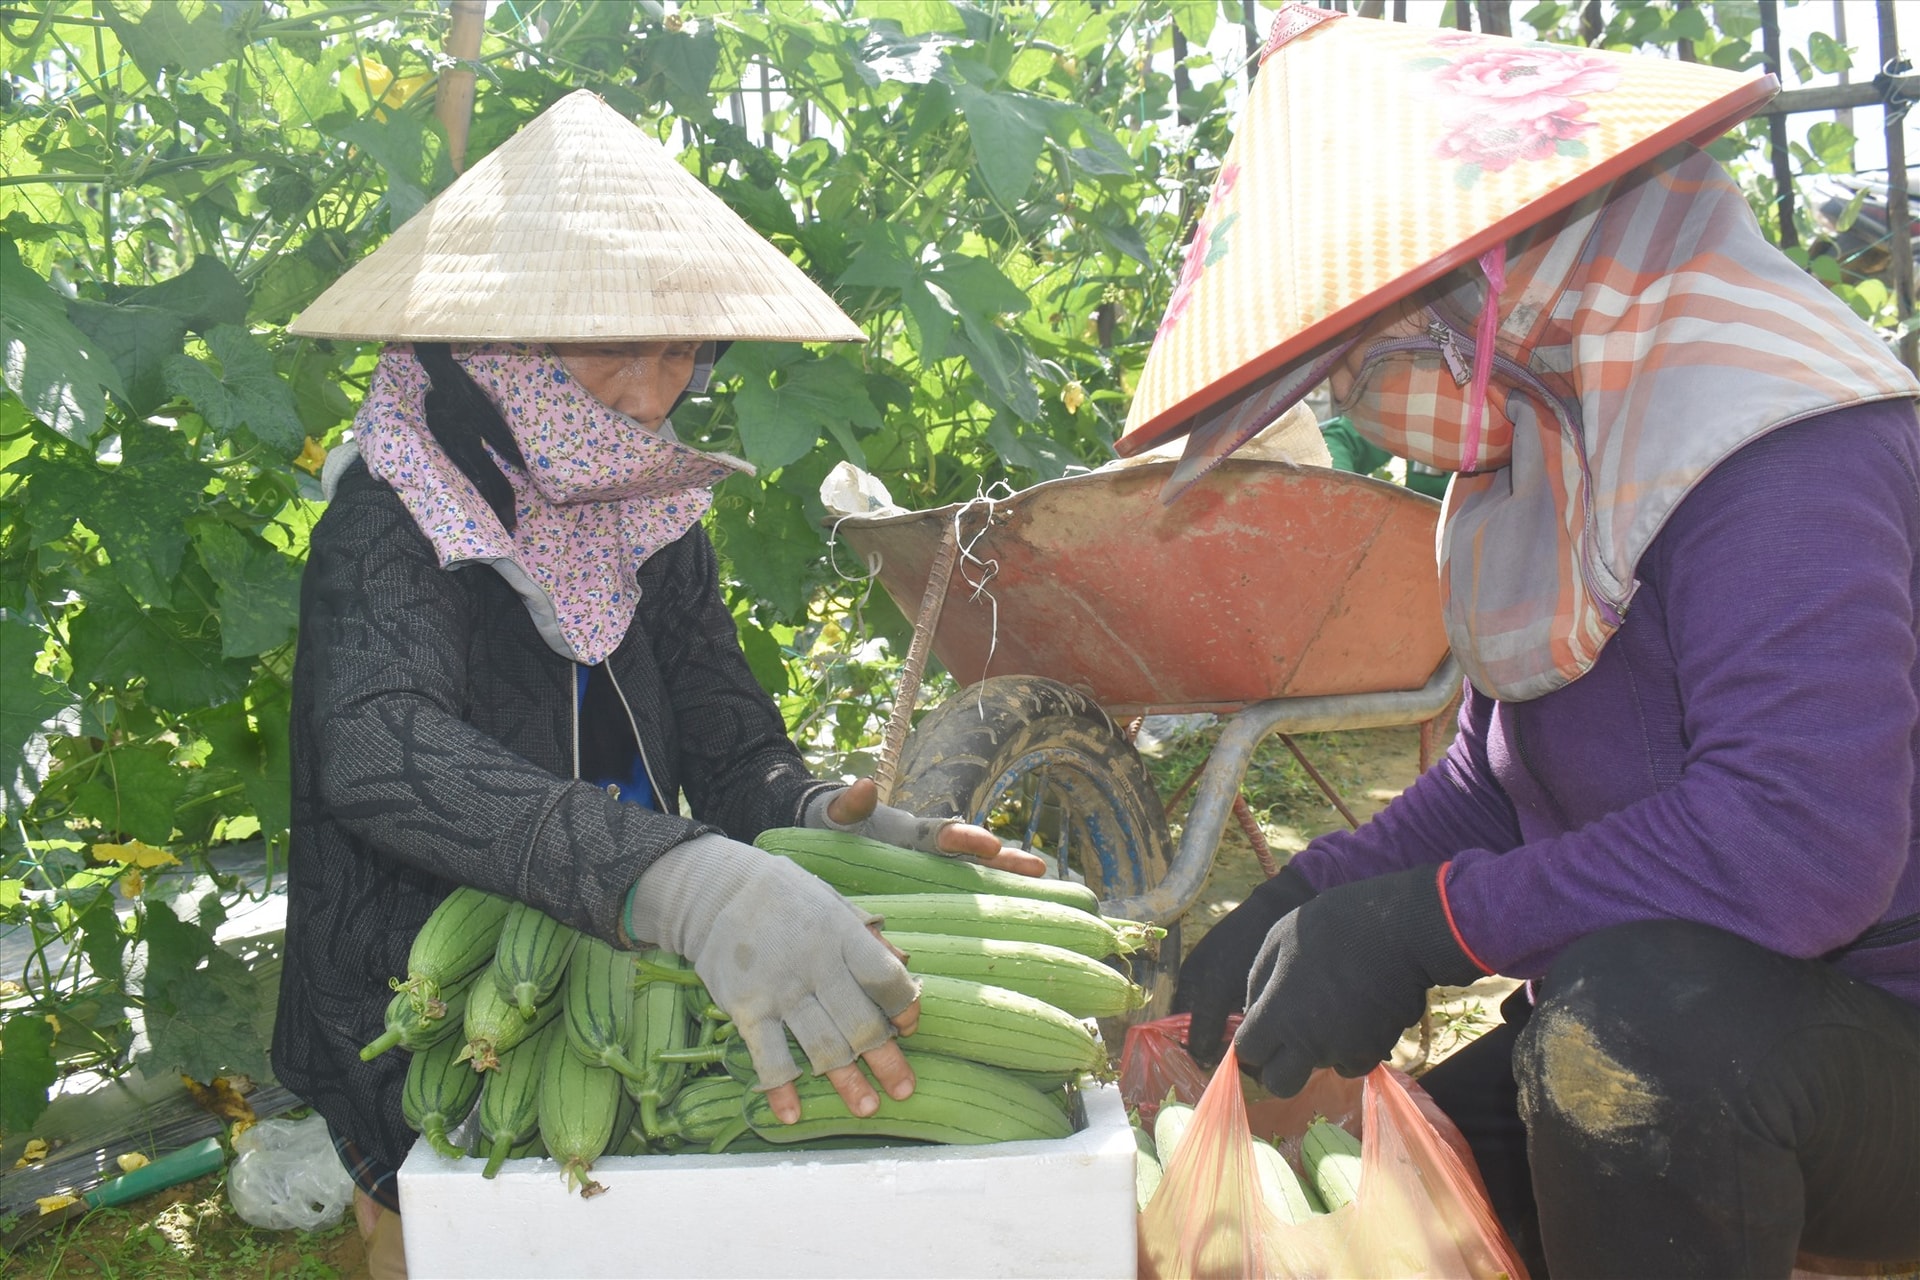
(1326, 788)
(1243, 814)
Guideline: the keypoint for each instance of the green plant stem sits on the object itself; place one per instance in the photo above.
(49, 16)
(222, 794)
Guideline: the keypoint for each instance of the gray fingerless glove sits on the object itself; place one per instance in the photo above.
(885, 824)
(778, 950)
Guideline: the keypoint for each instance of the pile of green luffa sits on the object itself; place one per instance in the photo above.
(558, 1044)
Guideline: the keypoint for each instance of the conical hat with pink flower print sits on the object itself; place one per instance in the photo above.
(1373, 157)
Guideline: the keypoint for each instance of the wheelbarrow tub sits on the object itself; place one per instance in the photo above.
(1264, 580)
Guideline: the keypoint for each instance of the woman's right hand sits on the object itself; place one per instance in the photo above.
(780, 951)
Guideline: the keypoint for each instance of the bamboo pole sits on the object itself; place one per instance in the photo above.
(1777, 127)
(1899, 211)
(453, 104)
(1843, 115)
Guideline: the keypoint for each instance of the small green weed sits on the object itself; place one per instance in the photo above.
(188, 1233)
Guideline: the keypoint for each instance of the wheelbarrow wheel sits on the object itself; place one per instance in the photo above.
(1042, 766)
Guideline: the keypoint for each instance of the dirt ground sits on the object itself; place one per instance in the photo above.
(188, 1233)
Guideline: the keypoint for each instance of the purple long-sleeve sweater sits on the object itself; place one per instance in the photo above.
(1743, 752)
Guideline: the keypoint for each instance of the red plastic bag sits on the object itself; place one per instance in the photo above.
(1421, 1211)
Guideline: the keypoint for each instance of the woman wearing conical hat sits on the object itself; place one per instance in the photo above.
(515, 666)
(1680, 566)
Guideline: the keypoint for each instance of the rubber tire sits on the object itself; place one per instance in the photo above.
(967, 752)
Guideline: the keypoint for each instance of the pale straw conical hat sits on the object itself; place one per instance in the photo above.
(579, 228)
(1373, 157)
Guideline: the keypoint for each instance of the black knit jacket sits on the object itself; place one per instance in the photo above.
(434, 743)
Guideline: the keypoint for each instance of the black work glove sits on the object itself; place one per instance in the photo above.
(1213, 980)
(1340, 979)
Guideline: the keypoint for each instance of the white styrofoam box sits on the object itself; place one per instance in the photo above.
(1047, 1209)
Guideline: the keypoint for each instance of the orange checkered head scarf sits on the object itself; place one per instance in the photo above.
(1642, 336)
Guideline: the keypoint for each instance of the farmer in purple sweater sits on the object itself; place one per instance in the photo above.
(1681, 568)
(1697, 840)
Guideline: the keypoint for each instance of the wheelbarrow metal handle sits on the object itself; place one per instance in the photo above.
(1220, 781)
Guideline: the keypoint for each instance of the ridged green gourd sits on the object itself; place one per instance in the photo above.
(530, 961)
(1146, 1168)
(1332, 1158)
(579, 1106)
(960, 1018)
(659, 1024)
(736, 1060)
(1287, 1198)
(1065, 979)
(993, 915)
(599, 1004)
(493, 1025)
(1051, 1083)
(751, 1143)
(627, 1139)
(974, 1022)
(412, 1028)
(953, 1101)
(706, 1112)
(439, 1092)
(856, 865)
(510, 1100)
(1169, 1128)
(457, 939)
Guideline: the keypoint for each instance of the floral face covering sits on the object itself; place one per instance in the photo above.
(599, 496)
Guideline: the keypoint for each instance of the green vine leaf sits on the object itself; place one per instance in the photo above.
(102, 938)
(28, 700)
(817, 396)
(1009, 132)
(52, 366)
(256, 756)
(398, 143)
(205, 295)
(115, 640)
(204, 1010)
(885, 260)
(770, 544)
(979, 289)
(182, 36)
(133, 792)
(1001, 364)
(244, 392)
(139, 341)
(1828, 55)
(687, 62)
(272, 791)
(26, 1046)
(1689, 24)
(259, 590)
(1196, 18)
(137, 508)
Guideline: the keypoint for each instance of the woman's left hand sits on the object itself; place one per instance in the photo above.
(857, 808)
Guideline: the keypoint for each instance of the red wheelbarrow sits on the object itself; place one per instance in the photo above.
(1284, 599)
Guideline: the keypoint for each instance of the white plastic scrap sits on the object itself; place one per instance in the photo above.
(286, 1174)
